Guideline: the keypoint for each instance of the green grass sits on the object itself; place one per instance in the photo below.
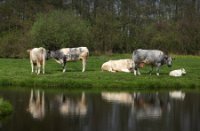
(17, 73)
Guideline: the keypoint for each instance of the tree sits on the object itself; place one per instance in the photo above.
(58, 29)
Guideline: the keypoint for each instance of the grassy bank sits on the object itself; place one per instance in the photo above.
(17, 72)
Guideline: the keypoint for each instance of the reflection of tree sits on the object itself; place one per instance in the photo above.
(37, 105)
(67, 106)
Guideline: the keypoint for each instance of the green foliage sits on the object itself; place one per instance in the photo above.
(104, 26)
(60, 29)
(5, 108)
(13, 45)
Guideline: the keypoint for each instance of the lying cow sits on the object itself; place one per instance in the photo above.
(177, 73)
(37, 59)
(122, 65)
(155, 58)
(70, 54)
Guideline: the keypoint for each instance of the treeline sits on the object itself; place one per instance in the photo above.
(104, 26)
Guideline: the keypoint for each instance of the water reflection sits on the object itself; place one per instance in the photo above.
(147, 106)
(179, 95)
(122, 97)
(106, 111)
(36, 105)
(68, 106)
(143, 106)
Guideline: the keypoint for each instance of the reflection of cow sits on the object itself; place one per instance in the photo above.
(179, 95)
(147, 106)
(70, 54)
(122, 98)
(68, 106)
(37, 59)
(142, 105)
(37, 105)
(122, 65)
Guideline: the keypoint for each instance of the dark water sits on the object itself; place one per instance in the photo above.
(106, 111)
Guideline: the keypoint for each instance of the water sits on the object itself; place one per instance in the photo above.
(39, 110)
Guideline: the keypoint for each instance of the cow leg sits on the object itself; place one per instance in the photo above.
(32, 67)
(64, 64)
(43, 67)
(38, 68)
(157, 71)
(135, 70)
(138, 72)
(83, 65)
(151, 70)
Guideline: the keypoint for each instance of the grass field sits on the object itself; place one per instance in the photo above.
(17, 73)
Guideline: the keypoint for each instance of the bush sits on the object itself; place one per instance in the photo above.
(13, 45)
(58, 29)
(5, 108)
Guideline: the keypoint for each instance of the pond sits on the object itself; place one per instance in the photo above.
(39, 110)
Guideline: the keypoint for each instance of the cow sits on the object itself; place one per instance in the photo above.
(177, 73)
(154, 58)
(37, 59)
(64, 55)
(122, 65)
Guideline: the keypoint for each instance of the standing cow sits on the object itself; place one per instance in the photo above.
(70, 54)
(155, 58)
(37, 59)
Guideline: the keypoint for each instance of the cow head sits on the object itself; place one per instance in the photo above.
(168, 60)
(183, 71)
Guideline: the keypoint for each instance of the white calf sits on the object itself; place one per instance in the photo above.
(37, 59)
(177, 73)
(122, 65)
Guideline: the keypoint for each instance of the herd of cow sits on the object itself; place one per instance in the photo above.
(140, 57)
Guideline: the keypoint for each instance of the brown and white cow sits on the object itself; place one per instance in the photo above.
(70, 54)
(122, 65)
(37, 59)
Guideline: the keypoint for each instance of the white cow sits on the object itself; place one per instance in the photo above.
(122, 65)
(70, 54)
(177, 73)
(37, 59)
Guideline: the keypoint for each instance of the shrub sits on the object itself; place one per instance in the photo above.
(58, 29)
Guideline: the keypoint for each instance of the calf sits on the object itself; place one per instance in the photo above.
(70, 54)
(122, 65)
(37, 59)
(177, 73)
